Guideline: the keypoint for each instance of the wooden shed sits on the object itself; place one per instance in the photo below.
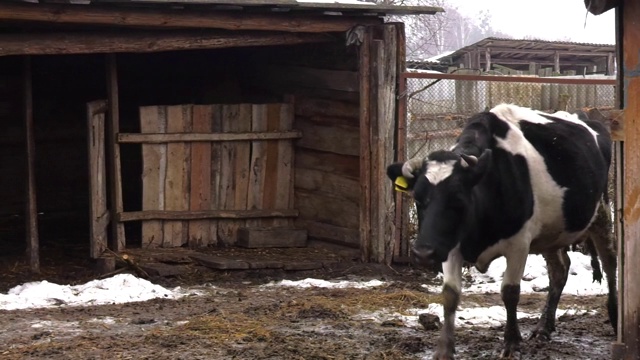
(534, 57)
(627, 13)
(147, 123)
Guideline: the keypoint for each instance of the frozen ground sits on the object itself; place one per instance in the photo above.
(346, 316)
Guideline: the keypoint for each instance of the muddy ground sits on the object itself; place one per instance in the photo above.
(237, 318)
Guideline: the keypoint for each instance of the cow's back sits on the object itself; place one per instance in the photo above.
(568, 164)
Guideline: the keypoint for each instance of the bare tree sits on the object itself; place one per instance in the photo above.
(430, 35)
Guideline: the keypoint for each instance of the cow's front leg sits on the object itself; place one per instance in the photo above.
(510, 292)
(452, 284)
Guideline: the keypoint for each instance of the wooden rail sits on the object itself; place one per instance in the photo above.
(521, 79)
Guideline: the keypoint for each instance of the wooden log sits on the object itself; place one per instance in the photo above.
(401, 247)
(142, 42)
(200, 184)
(327, 209)
(339, 139)
(310, 106)
(365, 145)
(98, 212)
(383, 143)
(154, 171)
(345, 165)
(31, 209)
(311, 78)
(170, 18)
(176, 185)
(329, 183)
(335, 234)
(207, 137)
(204, 214)
(118, 240)
(271, 237)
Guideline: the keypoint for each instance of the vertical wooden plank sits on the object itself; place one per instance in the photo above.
(98, 213)
(365, 144)
(176, 186)
(200, 197)
(257, 175)
(631, 249)
(118, 240)
(31, 210)
(285, 169)
(216, 171)
(401, 245)
(227, 183)
(154, 170)
(243, 169)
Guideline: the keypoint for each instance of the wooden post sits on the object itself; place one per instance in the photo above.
(117, 241)
(31, 210)
(401, 219)
(556, 63)
(487, 59)
(365, 144)
(610, 66)
(631, 204)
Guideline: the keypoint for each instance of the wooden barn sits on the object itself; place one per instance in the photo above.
(627, 13)
(197, 123)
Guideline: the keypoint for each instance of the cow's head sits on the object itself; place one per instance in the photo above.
(442, 187)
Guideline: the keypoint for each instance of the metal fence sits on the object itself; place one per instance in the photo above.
(438, 105)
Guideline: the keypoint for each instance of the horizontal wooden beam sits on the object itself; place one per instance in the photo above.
(144, 42)
(205, 214)
(523, 79)
(178, 18)
(550, 52)
(191, 137)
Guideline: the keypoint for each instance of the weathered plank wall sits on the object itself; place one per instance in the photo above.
(327, 188)
(194, 176)
(323, 80)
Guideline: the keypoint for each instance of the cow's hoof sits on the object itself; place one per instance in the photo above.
(540, 334)
(438, 356)
(511, 351)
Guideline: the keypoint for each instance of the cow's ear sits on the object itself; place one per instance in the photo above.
(394, 171)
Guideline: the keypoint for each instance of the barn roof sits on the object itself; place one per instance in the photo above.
(329, 7)
(521, 52)
(525, 49)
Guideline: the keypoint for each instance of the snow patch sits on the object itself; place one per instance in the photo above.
(121, 288)
(309, 282)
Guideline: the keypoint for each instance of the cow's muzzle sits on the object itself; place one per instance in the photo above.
(428, 257)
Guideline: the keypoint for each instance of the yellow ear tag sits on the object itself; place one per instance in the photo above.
(401, 184)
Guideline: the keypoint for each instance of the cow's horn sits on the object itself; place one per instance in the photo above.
(409, 166)
(468, 160)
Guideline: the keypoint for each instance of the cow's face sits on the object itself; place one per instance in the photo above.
(442, 189)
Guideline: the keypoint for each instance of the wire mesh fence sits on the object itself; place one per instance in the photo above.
(439, 106)
(437, 109)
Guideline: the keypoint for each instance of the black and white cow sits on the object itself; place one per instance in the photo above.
(517, 182)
